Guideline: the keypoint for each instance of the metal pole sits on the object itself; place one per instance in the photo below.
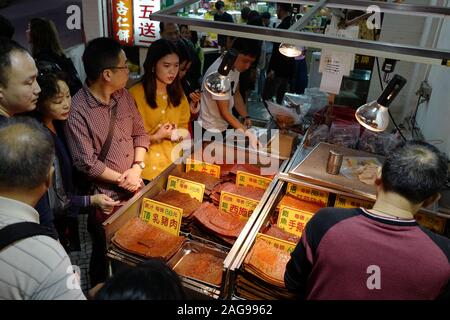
(304, 20)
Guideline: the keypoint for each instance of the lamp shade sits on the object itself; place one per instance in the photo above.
(373, 116)
(290, 50)
(217, 84)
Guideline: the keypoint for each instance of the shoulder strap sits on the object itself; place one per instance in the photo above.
(22, 230)
(107, 145)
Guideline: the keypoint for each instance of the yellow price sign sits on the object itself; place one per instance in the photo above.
(194, 165)
(293, 220)
(161, 215)
(308, 194)
(347, 202)
(237, 205)
(277, 243)
(194, 189)
(432, 222)
(245, 179)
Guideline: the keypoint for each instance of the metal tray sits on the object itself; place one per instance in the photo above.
(312, 169)
(196, 246)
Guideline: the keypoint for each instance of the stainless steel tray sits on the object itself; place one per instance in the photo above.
(312, 169)
(197, 247)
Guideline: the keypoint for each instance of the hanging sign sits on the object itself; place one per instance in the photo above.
(237, 205)
(194, 165)
(292, 220)
(277, 243)
(162, 216)
(308, 194)
(347, 202)
(245, 179)
(194, 189)
(122, 16)
(146, 31)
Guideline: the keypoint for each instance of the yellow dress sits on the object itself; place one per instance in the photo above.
(158, 156)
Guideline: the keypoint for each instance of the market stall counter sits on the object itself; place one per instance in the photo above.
(258, 269)
(213, 223)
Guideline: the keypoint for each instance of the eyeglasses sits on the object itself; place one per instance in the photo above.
(127, 67)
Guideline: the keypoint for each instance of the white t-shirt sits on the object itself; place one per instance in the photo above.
(210, 117)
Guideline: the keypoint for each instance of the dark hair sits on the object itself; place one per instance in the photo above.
(194, 37)
(151, 280)
(100, 54)
(7, 46)
(159, 49)
(415, 170)
(287, 7)
(248, 47)
(254, 19)
(162, 26)
(219, 5)
(180, 26)
(6, 28)
(44, 37)
(49, 87)
(26, 153)
(245, 12)
(183, 51)
(265, 15)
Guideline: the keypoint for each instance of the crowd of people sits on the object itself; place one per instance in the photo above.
(67, 146)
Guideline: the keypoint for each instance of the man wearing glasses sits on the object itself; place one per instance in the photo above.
(106, 137)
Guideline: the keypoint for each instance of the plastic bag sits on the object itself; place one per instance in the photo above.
(284, 116)
(319, 134)
(378, 142)
(343, 134)
(363, 169)
(318, 99)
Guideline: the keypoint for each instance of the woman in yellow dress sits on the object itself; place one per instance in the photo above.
(162, 104)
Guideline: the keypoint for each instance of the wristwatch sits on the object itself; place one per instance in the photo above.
(141, 164)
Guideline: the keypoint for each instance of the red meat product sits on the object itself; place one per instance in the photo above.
(143, 239)
(202, 266)
(279, 233)
(179, 200)
(219, 222)
(249, 192)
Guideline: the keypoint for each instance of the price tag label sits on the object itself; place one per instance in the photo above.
(277, 243)
(194, 165)
(161, 215)
(194, 189)
(308, 194)
(347, 202)
(237, 205)
(435, 223)
(292, 220)
(245, 179)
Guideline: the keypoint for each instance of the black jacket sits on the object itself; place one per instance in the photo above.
(44, 58)
(283, 66)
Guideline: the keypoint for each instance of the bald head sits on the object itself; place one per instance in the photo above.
(26, 154)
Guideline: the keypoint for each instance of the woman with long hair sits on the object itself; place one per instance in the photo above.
(48, 52)
(164, 107)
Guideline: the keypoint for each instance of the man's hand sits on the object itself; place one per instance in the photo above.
(104, 202)
(131, 179)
